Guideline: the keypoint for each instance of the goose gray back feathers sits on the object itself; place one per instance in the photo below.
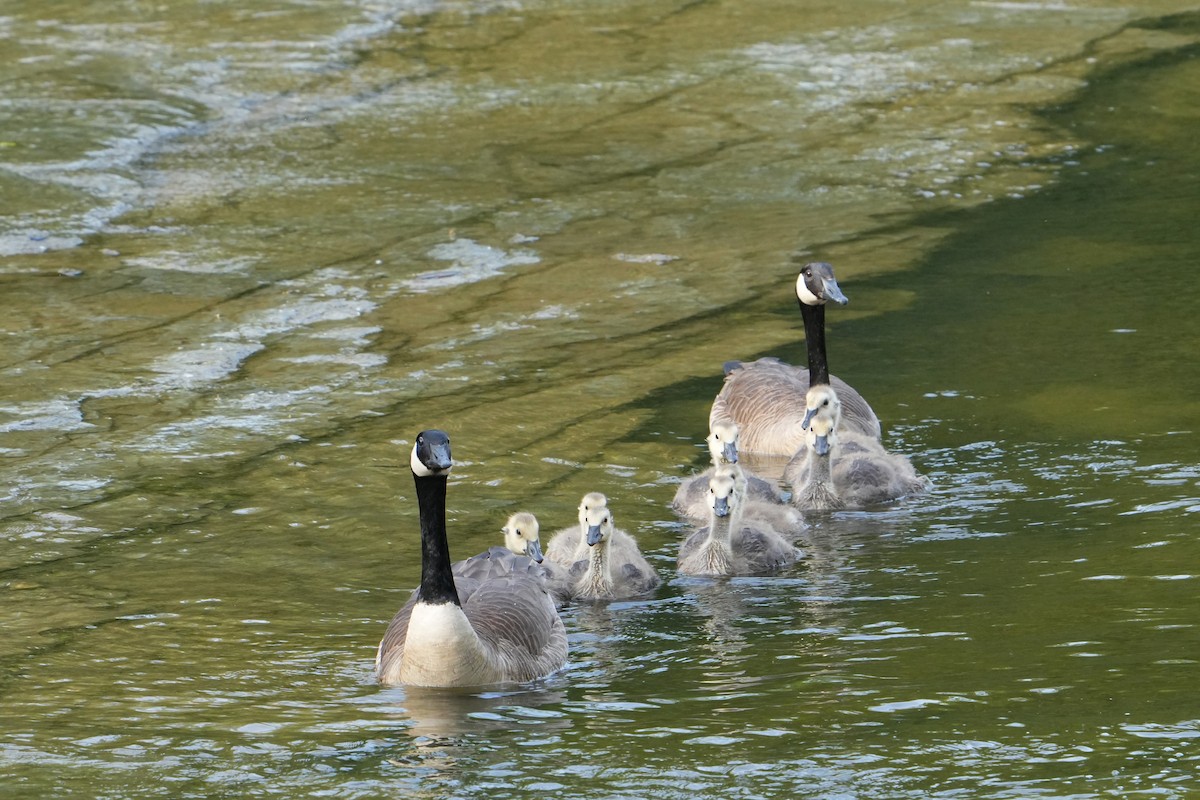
(766, 397)
(766, 400)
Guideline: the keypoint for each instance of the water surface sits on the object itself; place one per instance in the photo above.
(246, 258)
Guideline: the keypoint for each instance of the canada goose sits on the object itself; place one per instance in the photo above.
(488, 619)
(729, 545)
(610, 573)
(842, 469)
(521, 536)
(810, 471)
(691, 498)
(569, 545)
(766, 397)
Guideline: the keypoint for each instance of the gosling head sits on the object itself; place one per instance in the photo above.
(591, 500)
(521, 535)
(722, 442)
(823, 411)
(815, 285)
(431, 454)
(599, 522)
(722, 489)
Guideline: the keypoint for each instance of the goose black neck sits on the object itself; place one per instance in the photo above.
(437, 579)
(814, 337)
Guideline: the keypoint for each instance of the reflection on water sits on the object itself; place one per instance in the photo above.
(435, 716)
(245, 260)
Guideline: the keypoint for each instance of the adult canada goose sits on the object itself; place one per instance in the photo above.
(842, 469)
(569, 545)
(521, 536)
(691, 498)
(609, 573)
(766, 397)
(488, 619)
(729, 545)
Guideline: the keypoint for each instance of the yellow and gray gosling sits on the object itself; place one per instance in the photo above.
(730, 545)
(691, 498)
(521, 536)
(838, 468)
(610, 573)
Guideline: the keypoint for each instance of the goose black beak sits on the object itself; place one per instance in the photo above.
(831, 291)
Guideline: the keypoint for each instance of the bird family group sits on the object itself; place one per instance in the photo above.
(494, 618)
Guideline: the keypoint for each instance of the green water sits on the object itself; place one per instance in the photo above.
(246, 257)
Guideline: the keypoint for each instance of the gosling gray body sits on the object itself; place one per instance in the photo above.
(691, 498)
(569, 545)
(842, 469)
(730, 545)
(608, 573)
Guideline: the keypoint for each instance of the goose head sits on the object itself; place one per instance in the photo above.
(823, 411)
(722, 490)
(815, 285)
(431, 454)
(599, 522)
(722, 442)
(521, 535)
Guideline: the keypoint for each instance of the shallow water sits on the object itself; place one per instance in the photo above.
(246, 259)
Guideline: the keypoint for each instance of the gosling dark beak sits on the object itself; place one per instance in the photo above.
(821, 446)
(534, 551)
(808, 415)
(729, 453)
(721, 507)
(593, 535)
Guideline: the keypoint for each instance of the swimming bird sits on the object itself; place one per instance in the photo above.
(610, 573)
(730, 545)
(521, 536)
(842, 469)
(488, 619)
(691, 498)
(569, 545)
(766, 397)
